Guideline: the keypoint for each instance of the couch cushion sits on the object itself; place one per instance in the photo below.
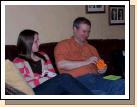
(49, 49)
(118, 61)
(13, 78)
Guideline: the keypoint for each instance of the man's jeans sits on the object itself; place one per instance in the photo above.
(96, 84)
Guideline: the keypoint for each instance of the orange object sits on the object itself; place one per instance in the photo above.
(101, 64)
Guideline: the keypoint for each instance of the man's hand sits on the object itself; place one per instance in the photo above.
(92, 59)
(101, 71)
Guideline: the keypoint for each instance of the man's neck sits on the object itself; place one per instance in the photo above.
(78, 41)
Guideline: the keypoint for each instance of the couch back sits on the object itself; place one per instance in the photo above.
(104, 47)
(11, 51)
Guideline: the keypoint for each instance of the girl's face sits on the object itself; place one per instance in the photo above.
(35, 46)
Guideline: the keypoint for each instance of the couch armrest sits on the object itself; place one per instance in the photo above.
(9, 90)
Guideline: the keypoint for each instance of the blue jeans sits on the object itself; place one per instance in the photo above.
(63, 84)
(97, 85)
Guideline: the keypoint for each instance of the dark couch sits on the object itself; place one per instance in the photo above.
(110, 50)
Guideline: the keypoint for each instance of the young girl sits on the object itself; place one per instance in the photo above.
(38, 72)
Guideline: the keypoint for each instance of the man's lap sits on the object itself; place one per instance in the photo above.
(97, 84)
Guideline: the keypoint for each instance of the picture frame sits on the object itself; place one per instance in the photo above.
(116, 14)
(95, 8)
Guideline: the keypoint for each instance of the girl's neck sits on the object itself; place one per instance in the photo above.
(34, 57)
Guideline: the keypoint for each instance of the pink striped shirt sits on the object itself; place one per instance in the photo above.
(34, 79)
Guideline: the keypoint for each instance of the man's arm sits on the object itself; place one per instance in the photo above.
(70, 65)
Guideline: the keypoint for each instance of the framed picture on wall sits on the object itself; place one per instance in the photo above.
(116, 15)
(95, 9)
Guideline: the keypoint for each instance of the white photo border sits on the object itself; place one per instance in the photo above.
(6, 3)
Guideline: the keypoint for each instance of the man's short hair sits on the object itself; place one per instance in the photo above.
(81, 20)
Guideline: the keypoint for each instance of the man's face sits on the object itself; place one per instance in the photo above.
(82, 33)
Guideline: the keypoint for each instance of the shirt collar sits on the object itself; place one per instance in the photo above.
(76, 43)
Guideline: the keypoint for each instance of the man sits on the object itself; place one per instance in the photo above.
(78, 58)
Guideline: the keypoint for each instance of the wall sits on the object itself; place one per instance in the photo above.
(54, 23)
